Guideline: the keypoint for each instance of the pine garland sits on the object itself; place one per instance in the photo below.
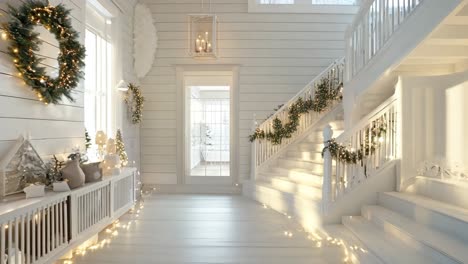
(120, 148)
(326, 92)
(137, 106)
(341, 153)
(25, 42)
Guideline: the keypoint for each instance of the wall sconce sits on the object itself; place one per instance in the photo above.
(203, 36)
(122, 86)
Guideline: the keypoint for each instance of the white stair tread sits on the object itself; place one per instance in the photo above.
(435, 239)
(354, 245)
(269, 177)
(389, 249)
(267, 184)
(434, 205)
(296, 170)
(318, 162)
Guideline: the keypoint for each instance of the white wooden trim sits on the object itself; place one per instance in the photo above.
(181, 70)
(301, 7)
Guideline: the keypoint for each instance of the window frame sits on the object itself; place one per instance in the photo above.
(302, 6)
(104, 101)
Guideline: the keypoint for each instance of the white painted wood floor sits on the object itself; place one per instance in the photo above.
(211, 229)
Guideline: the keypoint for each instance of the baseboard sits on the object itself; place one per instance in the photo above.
(193, 189)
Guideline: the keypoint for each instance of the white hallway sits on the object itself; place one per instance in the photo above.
(214, 229)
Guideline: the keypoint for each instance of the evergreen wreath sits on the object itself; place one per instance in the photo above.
(24, 42)
(326, 92)
(135, 105)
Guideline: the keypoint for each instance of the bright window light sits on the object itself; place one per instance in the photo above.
(98, 77)
(276, 2)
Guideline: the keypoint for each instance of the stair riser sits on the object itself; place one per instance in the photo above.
(308, 147)
(438, 190)
(315, 180)
(292, 164)
(429, 218)
(318, 136)
(306, 212)
(298, 189)
(311, 180)
(407, 239)
(307, 155)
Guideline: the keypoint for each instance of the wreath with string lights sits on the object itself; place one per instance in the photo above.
(25, 42)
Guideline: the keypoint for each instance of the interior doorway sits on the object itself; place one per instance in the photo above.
(209, 123)
(208, 127)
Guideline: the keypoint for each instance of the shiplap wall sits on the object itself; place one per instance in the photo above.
(56, 129)
(131, 133)
(278, 55)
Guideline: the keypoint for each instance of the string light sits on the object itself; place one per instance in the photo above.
(325, 240)
(111, 232)
(56, 20)
(327, 92)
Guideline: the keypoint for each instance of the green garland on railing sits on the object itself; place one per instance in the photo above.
(326, 92)
(341, 153)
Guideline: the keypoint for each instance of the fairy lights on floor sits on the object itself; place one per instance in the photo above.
(112, 231)
(320, 239)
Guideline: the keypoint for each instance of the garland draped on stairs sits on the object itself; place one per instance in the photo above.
(371, 141)
(327, 91)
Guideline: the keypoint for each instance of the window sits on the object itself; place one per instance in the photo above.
(304, 6)
(98, 73)
(97, 100)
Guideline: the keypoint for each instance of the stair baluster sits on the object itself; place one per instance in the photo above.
(264, 150)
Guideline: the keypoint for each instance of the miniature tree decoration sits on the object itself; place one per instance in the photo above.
(121, 149)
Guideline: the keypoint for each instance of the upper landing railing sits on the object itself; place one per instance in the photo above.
(374, 25)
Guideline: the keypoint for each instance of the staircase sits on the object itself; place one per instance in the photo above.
(421, 220)
(292, 183)
(417, 225)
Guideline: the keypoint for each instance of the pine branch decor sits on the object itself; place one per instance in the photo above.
(25, 42)
(326, 92)
(135, 105)
(120, 148)
(370, 143)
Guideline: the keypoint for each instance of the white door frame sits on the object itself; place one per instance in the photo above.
(181, 163)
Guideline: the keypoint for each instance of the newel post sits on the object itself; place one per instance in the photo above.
(253, 152)
(327, 187)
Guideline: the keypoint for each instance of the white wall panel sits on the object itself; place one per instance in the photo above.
(278, 55)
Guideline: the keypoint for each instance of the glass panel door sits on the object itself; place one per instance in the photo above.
(209, 123)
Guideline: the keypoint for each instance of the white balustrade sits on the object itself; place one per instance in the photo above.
(374, 25)
(123, 192)
(263, 149)
(30, 232)
(39, 230)
(340, 177)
